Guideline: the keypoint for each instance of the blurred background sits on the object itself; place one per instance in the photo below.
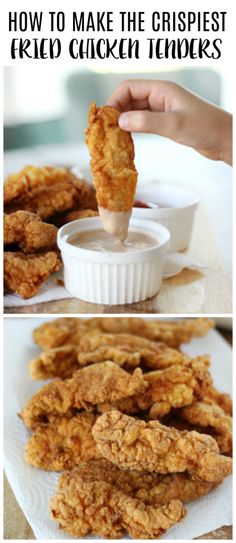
(45, 115)
(49, 104)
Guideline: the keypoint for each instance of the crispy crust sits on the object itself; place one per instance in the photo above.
(112, 159)
(25, 273)
(151, 446)
(46, 191)
(28, 231)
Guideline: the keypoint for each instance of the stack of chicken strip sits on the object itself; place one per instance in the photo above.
(36, 201)
(134, 423)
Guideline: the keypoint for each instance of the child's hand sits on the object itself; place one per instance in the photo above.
(169, 110)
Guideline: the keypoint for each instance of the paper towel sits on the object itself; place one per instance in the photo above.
(50, 291)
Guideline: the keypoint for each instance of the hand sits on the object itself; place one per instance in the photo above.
(169, 110)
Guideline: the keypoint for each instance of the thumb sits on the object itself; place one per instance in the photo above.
(164, 124)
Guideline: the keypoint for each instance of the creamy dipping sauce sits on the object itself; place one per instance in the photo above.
(99, 240)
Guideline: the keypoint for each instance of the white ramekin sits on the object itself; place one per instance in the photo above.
(178, 219)
(113, 278)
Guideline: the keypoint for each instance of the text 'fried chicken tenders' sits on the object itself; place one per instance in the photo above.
(89, 386)
(47, 191)
(134, 444)
(151, 488)
(63, 443)
(25, 273)
(28, 231)
(112, 164)
(83, 507)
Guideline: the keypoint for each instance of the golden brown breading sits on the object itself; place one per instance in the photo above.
(28, 231)
(151, 446)
(120, 355)
(64, 218)
(220, 398)
(96, 507)
(151, 488)
(89, 386)
(112, 159)
(25, 273)
(150, 354)
(60, 362)
(126, 350)
(173, 333)
(62, 331)
(63, 443)
(68, 330)
(172, 387)
(46, 191)
(208, 415)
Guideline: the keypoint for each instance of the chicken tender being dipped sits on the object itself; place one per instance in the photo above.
(112, 164)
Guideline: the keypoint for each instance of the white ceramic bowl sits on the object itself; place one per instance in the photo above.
(178, 219)
(113, 278)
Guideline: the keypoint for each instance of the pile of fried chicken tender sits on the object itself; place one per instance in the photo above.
(135, 425)
(36, 201)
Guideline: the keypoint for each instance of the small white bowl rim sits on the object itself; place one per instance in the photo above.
(152, 227)
(161, 212)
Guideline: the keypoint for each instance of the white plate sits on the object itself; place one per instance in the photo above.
(33, 487)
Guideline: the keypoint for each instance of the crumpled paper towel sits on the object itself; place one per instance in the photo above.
(33, 488)
(49, 291)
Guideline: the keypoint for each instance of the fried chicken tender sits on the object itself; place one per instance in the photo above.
(172, 387)
(63, 443)
(220, 398)
(25, 273)
(68, 330)
(64, 218)
(83, 507)
(173, 333)
(28, 231)
(60, 362)
(112, 164)
(61, 332)
(89, 386)
(151, 488)
(150, 354)
(151, 446)
(210, 416)
(46, 191)
(124, 349)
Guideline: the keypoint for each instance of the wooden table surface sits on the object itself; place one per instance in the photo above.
(17, 527)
